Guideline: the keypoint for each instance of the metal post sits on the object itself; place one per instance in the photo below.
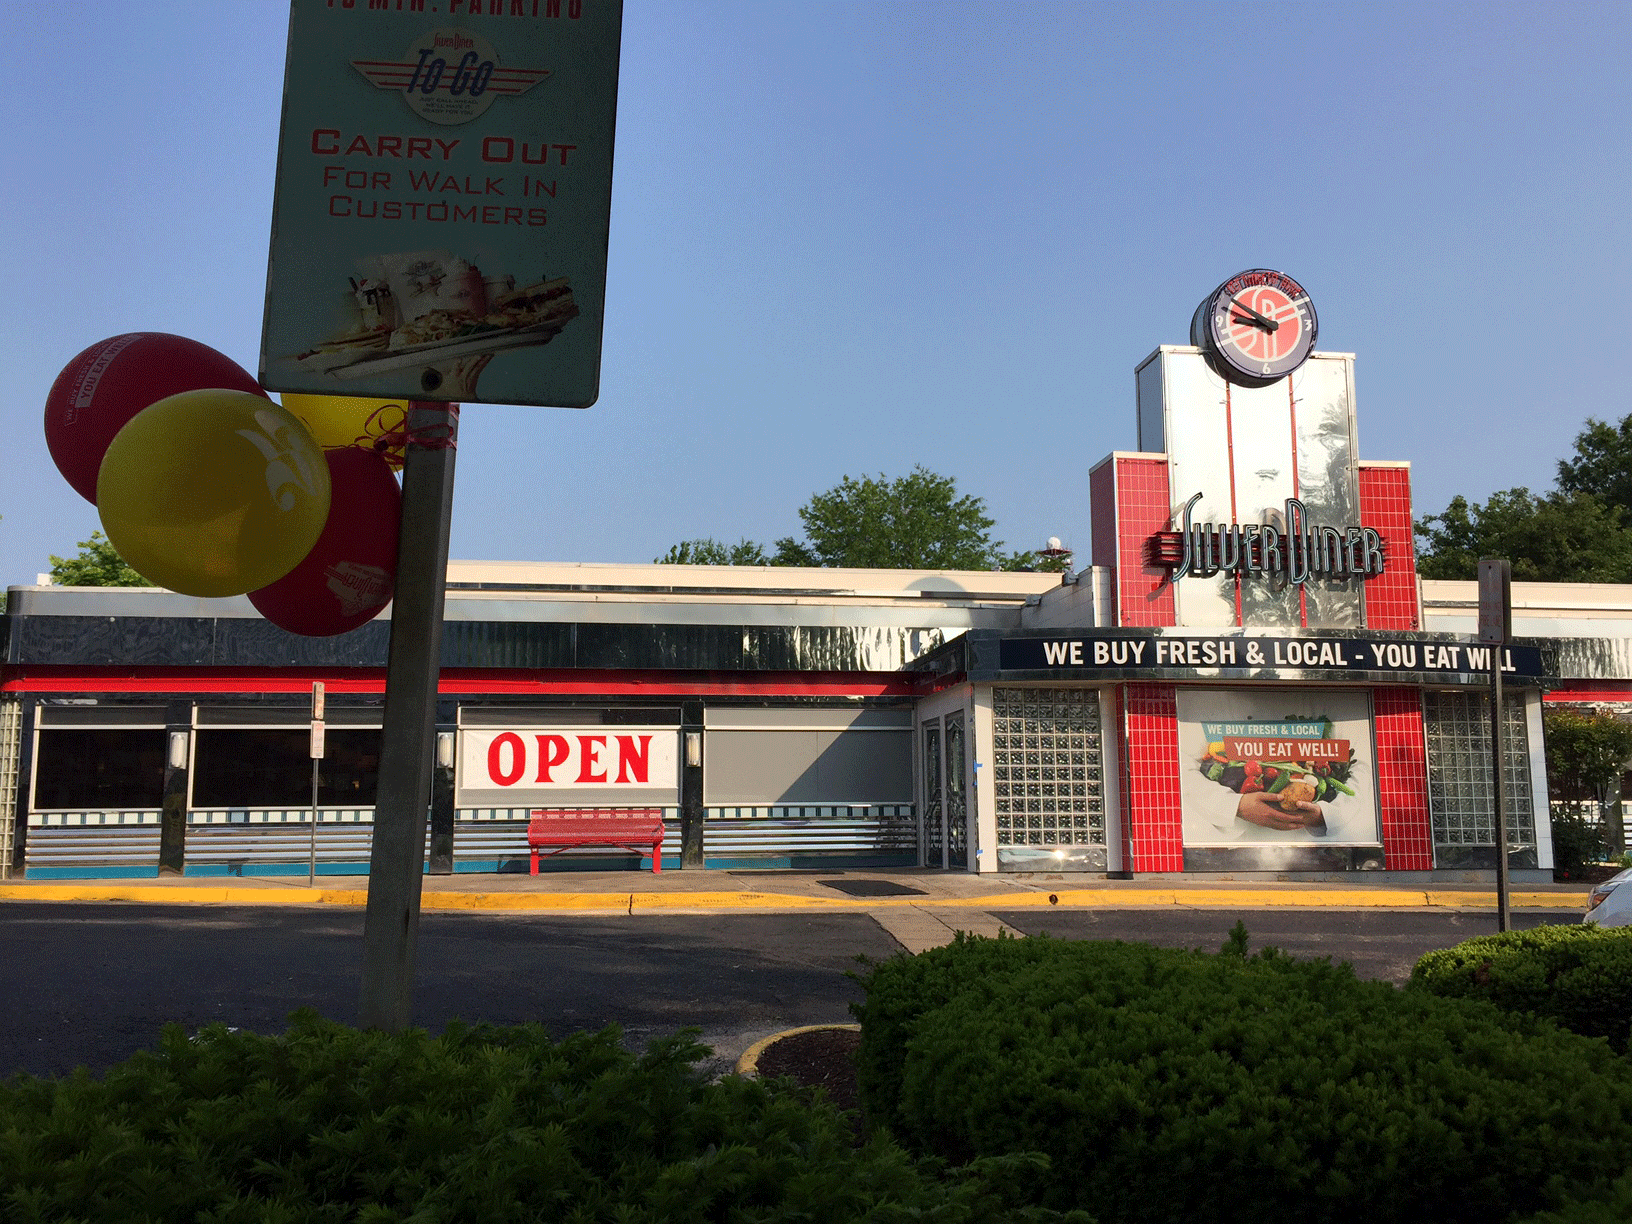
(692, 812)
(178, 720)
(442, 808)
(1503, 919)
(315, 751)
(397, 859)
(311, 878)
(1495, 628)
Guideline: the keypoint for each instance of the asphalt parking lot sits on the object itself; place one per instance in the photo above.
(90, 984)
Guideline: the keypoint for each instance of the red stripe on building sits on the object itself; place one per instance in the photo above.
(468, 682)
(1589, 690)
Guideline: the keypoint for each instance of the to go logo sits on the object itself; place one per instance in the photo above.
(449, 76)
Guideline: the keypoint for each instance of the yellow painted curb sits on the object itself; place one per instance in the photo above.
(748, 1064)
(681, 901)
(182, 894)
(619, 902)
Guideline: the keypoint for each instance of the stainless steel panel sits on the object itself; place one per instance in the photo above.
(92, 846)
(1149, 389)
(772, 767)
(1328, 483)
(1051, 858)
(1265, 476)
(789, 717)
(1198, 448)
(237, 846)
(737, 838)
(100, 714)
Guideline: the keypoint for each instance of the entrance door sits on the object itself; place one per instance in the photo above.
(957, 795)
(931, 821)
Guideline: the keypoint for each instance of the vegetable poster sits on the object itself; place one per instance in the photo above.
(1289, 766)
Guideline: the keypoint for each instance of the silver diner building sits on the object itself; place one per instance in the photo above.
(1246, 676)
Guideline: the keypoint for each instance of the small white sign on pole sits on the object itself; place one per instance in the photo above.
(316, 750)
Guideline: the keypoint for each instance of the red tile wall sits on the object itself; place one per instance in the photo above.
(1153, 835)
(1402, 779)
(1143, 507)
(1385, 503)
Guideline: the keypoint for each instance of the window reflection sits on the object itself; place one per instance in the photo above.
(272, 768)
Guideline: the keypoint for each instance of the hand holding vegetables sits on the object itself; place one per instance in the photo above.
(1260, 809)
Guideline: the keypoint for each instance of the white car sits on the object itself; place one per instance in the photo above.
(1610, 903)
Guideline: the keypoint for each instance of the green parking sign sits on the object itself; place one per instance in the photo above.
(439, 227)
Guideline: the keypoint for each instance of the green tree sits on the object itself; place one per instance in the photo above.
(708, 551)
(1560, 537)
(1579, 532)
(1602, 464)
(98, 564)
(1587, 753)
(916, 521)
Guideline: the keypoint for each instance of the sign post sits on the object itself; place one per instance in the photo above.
(1495, 627)
(408, 733)
(315, 749)
(439, 236)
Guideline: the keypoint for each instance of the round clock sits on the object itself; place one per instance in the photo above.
(1255, 328)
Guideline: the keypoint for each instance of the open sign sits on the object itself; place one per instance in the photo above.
(525, 766)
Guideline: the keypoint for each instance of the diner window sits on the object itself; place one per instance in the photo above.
(272, 768)
(99, 770)
(1461, 794)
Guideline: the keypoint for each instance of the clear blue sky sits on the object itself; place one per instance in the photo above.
(851, 238)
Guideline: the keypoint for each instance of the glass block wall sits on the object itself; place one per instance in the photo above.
(1461, 794)
(1047, 767)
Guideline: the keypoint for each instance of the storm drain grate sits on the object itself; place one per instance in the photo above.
(873, 888)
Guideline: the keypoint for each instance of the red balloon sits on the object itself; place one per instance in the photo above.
(352, 569)
(110, 382)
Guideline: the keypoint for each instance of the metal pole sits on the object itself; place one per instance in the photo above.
(311, 881)
(1503, 919)
(315, 748)
(397, 858)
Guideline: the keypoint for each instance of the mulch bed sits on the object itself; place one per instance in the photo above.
(820, 1058)
(1597, 873)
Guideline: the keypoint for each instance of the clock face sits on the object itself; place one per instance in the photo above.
(1256, 328)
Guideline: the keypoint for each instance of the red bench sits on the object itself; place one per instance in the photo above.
(635, 829)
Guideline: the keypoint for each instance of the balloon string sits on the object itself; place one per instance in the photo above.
(395, 437)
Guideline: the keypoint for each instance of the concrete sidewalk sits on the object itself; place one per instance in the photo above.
(943, 897)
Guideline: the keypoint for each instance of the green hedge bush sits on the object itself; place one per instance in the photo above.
(1577, 843)
(1168, 1085)
(1611, 1206)
(1579, 975)
(328, 1123)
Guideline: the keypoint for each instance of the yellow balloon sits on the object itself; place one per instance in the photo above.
(344, 420)
(213, 492)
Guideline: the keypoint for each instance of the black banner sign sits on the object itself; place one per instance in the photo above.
(1416, 659)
